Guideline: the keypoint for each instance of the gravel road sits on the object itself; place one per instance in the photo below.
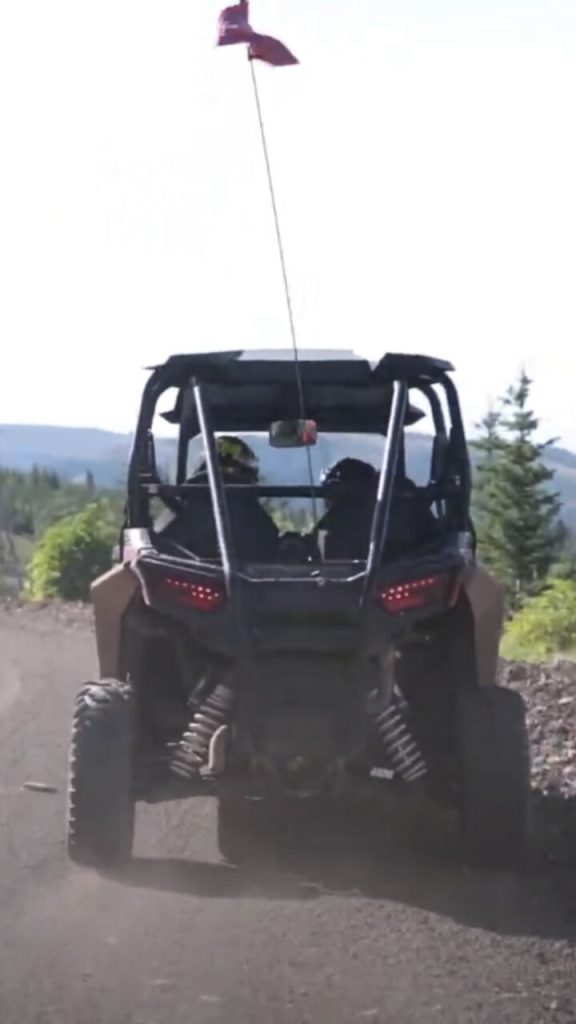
(346, 927)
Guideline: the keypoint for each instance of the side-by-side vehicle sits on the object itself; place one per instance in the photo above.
(294, 614)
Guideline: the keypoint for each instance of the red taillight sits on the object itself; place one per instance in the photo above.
(412, 594)
(203, 597)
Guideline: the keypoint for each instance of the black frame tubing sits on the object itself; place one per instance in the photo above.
(380, 519)
(458, 435)
(223, 531)
(137, 499)
(217, 492)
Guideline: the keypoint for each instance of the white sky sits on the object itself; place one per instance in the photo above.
(425, 162)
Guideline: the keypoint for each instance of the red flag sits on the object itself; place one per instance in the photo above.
(234, 27)
(270, 50)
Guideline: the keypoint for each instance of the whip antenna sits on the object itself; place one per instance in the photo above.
(287, 294)
(233, 28)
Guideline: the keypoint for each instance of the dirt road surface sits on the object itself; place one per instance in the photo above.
(345, 928)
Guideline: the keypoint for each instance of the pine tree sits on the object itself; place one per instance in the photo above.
(485, 505)
(564, 567)
(517, 513)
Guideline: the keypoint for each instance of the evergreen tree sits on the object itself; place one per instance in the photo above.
(517, 513)
(564, 567)
(485, 496)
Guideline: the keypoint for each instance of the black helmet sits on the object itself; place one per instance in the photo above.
(348, 473)
(236, 458)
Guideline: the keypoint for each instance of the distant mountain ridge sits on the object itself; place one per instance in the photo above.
(73, 451)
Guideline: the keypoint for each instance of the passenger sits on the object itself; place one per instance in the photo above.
(351, 487)
(350, 492)
(254, 535)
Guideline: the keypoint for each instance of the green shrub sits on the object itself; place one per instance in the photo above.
(545, 625)
(72, 553)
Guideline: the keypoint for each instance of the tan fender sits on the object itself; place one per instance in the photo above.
(111, 595)
(486, 599)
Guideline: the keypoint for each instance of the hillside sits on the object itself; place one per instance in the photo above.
(72, 451)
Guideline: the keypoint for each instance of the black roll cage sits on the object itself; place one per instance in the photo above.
(450, 469)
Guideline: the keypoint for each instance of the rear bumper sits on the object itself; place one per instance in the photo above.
(291, 609)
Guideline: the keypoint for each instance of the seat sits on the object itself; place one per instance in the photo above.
(254, 535)
(347, 524)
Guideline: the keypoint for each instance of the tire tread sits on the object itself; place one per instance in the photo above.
(100, 804)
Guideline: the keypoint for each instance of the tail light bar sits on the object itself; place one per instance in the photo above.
(189, 593)
(410, 595)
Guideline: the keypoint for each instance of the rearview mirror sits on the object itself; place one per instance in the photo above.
(293, 433)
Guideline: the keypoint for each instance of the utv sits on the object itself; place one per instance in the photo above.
(263, 664)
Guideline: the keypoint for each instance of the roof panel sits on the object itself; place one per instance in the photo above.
(277, 367)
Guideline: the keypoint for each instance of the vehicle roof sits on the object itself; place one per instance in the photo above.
(248, 389)
(241, 364)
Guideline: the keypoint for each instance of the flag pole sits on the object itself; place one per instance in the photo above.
(285, 281)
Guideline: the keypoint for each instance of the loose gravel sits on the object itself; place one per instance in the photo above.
(550, 695)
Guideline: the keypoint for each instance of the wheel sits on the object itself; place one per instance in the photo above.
(494, 788)
(100, 813)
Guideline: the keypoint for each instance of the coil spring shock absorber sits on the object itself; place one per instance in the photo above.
(400, 747)
(195, 749)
